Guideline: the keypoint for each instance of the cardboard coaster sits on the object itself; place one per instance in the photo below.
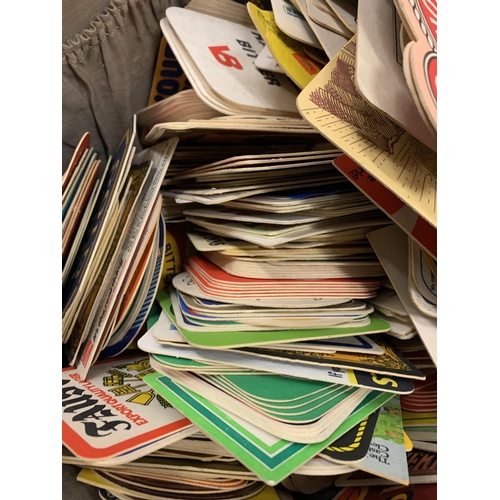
(403, 164)
(231, 339)
(394, 384)
(116, 388)
(287, 51)
(381, 79)
(420, 55)
(270, 458)
(226, 64)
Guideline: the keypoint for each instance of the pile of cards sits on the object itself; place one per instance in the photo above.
(401, 80)
(314, 206)
(292, 332)
(295, 263)
(180, 107)
(193, 152)
(154, 447)
(295, 400)
(301, 37)
(388, 307)
(392, 246)
(113, 247)
(420, 407)
(81, 183)
(147, 483)
(136, 457)
(376, 100)
(419, 412)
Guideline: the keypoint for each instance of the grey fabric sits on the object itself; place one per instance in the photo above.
(75, 15)
(107, 70)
